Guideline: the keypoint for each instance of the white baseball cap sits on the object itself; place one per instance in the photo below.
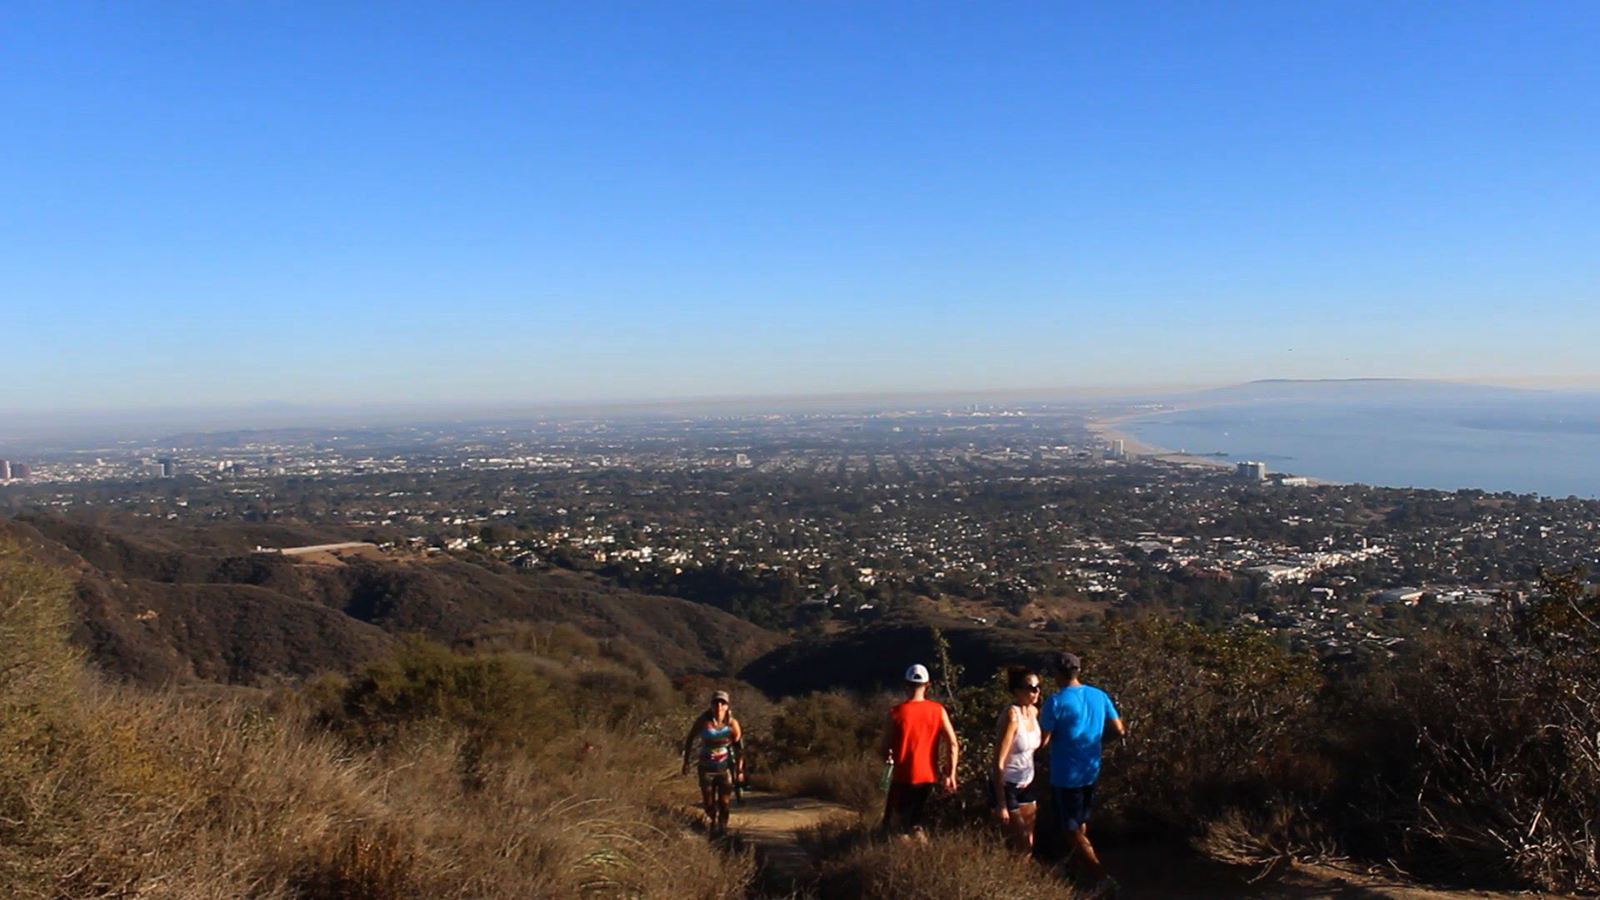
(917, 674)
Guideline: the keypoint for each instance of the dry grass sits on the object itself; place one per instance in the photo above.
(219, 803)
(957, 865)
(115, 792)
(1264, 837)
(852, 783)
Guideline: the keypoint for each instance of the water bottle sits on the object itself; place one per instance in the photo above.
(888, 777)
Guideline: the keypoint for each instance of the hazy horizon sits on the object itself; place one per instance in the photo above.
(1088, 390)
(30, 427)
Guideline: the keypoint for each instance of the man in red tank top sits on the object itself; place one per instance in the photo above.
(910, 742)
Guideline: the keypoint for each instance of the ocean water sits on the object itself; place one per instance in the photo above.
(1540, 443)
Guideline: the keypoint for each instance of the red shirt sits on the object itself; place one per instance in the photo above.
(917, 726)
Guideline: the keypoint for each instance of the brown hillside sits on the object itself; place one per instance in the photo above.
(877, 656)
(158, 605)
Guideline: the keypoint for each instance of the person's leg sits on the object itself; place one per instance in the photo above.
(724, 800)
(1024, 819)
(916, 799)
(1083, 852)
(891, 804)
(1024, 815)
(1073, 806)
(708, 798)
(1017, 831)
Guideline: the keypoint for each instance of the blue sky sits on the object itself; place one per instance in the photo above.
(241, 202)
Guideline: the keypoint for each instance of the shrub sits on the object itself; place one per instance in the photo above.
(620, 697)
(491, 698)
(556, 640)
(1486, 761)
(1217, 721)
(823, 745)
(825, 726)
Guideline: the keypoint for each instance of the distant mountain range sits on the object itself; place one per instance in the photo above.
(1355, 390)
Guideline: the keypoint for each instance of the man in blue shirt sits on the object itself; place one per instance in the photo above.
(1074, 722)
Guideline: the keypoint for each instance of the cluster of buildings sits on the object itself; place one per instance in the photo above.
(1292, 567)
(1016, 517)
(1333, 633)
(1254, 471)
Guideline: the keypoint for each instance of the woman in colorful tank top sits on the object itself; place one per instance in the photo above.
(718, 735)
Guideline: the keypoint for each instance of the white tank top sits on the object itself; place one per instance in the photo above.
(1019, 762)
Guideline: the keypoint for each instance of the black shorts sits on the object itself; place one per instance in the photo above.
(1074, 806)
(905, 804)
(1017, 795)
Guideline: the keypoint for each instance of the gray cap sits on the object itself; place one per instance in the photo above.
(1068, 662)
(719, 695)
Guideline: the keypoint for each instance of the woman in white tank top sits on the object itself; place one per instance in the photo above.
(1017, 738)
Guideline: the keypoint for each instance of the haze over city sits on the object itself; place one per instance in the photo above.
(521, 204)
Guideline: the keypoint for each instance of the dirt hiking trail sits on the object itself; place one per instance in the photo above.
(771, 824)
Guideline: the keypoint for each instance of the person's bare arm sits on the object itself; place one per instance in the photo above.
(886, 743)
(688, 744)
(1120, 729)
(1007, 725)
(954, 743)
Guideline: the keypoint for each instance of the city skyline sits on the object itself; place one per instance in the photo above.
(532, 205)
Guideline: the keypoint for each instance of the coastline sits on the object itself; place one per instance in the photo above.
(1106, 429)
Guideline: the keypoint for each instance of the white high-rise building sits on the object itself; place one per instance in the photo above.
(1251, 470)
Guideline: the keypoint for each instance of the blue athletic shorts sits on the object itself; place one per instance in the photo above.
(1074, 806)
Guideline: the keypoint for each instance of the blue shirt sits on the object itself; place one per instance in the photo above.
(1076, 718)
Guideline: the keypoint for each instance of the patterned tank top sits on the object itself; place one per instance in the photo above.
(716, 746)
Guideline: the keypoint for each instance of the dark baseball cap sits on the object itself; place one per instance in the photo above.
(1068, 662)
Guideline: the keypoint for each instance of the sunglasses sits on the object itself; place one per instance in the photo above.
(1030, 688)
